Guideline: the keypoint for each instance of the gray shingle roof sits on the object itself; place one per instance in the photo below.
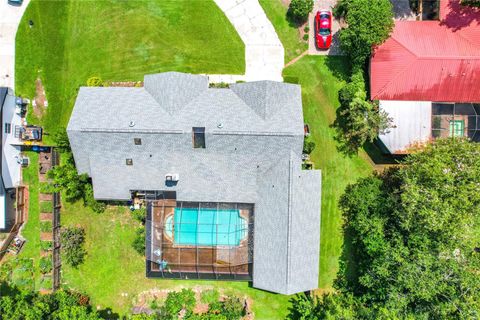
(253, 157)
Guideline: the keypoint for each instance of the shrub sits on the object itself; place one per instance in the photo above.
(305, 36)
(46, 226)
(306, 29)
(299, 9)
(308, 145)
(46, 245)
(139, 242)
(46, 206)
(94, 82)
(72, 245)
(46, 264)
(140, 215)
(60, 138)
(210, 296)
(178, 301)
(232, 308)
(89, 200)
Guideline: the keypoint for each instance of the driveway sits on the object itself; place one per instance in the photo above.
(9, 19)
(335, 47)
(264, 53)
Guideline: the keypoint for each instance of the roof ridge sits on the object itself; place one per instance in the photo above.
(415, 56)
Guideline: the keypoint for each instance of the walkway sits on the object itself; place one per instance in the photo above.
(264, 53)
(10, 16)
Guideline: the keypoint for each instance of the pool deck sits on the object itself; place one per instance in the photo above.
(198, 259)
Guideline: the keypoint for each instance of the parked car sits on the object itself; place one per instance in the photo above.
(323, 29)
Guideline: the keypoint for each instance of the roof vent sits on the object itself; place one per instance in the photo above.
(174, 177)
(131, 124)
(220, 125)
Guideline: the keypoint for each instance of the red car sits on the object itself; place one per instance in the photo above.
(323, 29)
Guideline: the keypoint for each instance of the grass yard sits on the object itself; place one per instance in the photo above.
(112, 268)
(289, 35)
(321, 78)
(71, 41)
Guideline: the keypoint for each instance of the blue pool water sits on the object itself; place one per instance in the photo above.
(207, 227)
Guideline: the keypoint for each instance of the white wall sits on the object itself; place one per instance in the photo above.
(11, 171)
(412, 124)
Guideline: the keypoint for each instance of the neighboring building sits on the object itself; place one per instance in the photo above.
(426, 77)
(221, 170)
(10, 164)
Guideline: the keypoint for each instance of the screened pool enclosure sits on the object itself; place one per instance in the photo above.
(199, 240)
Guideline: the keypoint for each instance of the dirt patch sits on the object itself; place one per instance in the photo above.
(46, 216)
(46, 236)
(40, 102)
(45, 197)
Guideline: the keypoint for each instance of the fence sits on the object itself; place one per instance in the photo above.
(57, 263)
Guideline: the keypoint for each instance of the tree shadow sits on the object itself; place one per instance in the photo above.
(339, 66)
(294, 22)
(108, 314)
(459, 16)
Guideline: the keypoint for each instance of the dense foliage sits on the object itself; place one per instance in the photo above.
(308, 145)
(62, 305)
(369, 24)
(298, 10)
(72, 240)
(413, 238)
(66, 178)
(138, 242)
(358, 119)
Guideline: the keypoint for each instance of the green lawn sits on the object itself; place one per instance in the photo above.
(289, 35)
(321, 78)
(71, 41)
(31, 230)
(112, 268)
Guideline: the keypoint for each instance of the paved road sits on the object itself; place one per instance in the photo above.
(9, 19)
(264, 53)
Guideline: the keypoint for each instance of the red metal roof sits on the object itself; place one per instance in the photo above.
(430, 60)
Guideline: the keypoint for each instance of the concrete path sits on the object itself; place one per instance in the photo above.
(335, 47)
(10, 17)
(264, 53)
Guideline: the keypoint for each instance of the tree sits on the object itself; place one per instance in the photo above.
(413, 234)
(298, 10)
(358, 120)
(139, 242)
(61, 305)
(72, 245)
(369, 24)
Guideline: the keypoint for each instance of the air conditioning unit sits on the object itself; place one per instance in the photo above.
(172, 177)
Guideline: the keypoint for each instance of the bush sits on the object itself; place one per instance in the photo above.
(46, 264)
(232, 308)
(139, 242)
(306, 29)
(46, 226)
(46, 206)
(72, 245)
(305, 36)
(46, 245)
(94, 82)
(89, 200)
(140, 215)
(60, 138)
(210, 296)
(299, 9)
(178, 301)
(308, 145)
(47, 187)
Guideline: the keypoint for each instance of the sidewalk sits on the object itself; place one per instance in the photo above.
(264, 53)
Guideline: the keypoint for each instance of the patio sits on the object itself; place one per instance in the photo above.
(456, 120)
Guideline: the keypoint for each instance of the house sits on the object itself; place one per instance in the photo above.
(426, 77)
(219, 169)
(11, 160)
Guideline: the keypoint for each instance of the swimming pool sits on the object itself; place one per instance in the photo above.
(206, 227)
